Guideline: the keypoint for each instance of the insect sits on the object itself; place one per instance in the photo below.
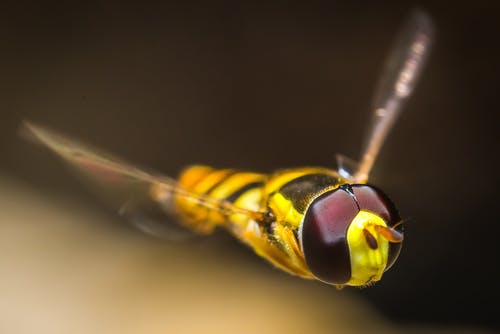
(312, 222)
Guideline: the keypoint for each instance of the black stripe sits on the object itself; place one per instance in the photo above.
(222, 180)
(236, 194)
(213, 186)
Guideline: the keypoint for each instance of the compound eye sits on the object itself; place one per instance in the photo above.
(324, 236)
(374, 200)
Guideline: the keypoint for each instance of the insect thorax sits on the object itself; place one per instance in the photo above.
(286, 194)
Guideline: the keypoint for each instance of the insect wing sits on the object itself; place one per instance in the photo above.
(121, 185)
(346, 167)
(400, 76)
(118, 184)
(144, 197)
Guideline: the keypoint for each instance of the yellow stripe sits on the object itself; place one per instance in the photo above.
(193, 174)
(234, 183)
(204, 185)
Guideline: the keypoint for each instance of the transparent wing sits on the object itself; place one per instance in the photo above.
(144, 197)
(400, 76)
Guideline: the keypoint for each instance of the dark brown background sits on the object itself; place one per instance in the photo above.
(261, 87)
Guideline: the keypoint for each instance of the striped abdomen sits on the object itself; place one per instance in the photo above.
(243, 189)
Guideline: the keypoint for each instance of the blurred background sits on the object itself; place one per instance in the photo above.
(253, 86)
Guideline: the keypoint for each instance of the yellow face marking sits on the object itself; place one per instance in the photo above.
(367, 263)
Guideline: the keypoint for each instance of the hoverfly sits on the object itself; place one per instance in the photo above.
(315, 223)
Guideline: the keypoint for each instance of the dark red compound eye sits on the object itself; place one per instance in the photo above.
(324, 229)
(372, 199)
(324, 236)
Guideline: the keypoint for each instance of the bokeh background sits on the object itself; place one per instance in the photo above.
(256, 86)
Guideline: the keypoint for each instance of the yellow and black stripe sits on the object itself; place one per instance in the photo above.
(220, 184)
